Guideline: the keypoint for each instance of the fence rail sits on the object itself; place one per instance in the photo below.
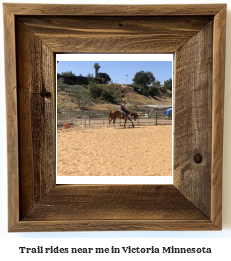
(93, 118)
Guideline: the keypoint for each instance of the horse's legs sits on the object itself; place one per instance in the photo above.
(131, 121)
(125, 122)
(114, 121)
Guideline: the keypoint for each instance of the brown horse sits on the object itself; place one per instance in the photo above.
(121, 115)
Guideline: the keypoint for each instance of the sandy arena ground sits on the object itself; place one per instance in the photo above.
(104, 151)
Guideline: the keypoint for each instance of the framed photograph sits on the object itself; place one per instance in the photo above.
(96, 142)
(34, 35)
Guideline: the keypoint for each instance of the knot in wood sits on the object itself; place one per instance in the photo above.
(198, 158)
(45, 94)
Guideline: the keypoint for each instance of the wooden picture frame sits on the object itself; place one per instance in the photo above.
(33, 34)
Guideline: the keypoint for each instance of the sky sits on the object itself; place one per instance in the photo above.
(121, 72)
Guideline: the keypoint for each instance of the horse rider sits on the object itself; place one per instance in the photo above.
(123, 108)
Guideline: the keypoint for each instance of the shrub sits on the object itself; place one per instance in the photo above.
(153, 91)
(60, 82)
(107, 96)
(163, 90)
(135, 88)
(95, 90)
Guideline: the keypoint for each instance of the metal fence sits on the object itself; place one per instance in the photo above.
(100, 117)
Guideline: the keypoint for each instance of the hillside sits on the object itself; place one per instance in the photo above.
(77, 96)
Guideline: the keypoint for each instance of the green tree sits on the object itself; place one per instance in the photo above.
(106, 78)
(90, 76)
(143, 79)
(168, 84)
(70, 73)
(156, 84)
(96, 66)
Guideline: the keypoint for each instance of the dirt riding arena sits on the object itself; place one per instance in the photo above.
(114, 151)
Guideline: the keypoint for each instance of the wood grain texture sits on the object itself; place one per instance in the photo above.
(218, 114)
(115, 34)
(114, 207)
(194, 201)
(12, 121)
(193, 114)
(114, 225)
(108, 202)
(114, 10)
(36, 105)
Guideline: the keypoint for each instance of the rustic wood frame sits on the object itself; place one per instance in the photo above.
(196, 34)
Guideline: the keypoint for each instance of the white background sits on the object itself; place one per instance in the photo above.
(219, 241)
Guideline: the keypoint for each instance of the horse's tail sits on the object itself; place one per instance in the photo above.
(109, 113)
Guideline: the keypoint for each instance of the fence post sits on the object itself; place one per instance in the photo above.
(156, 116)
